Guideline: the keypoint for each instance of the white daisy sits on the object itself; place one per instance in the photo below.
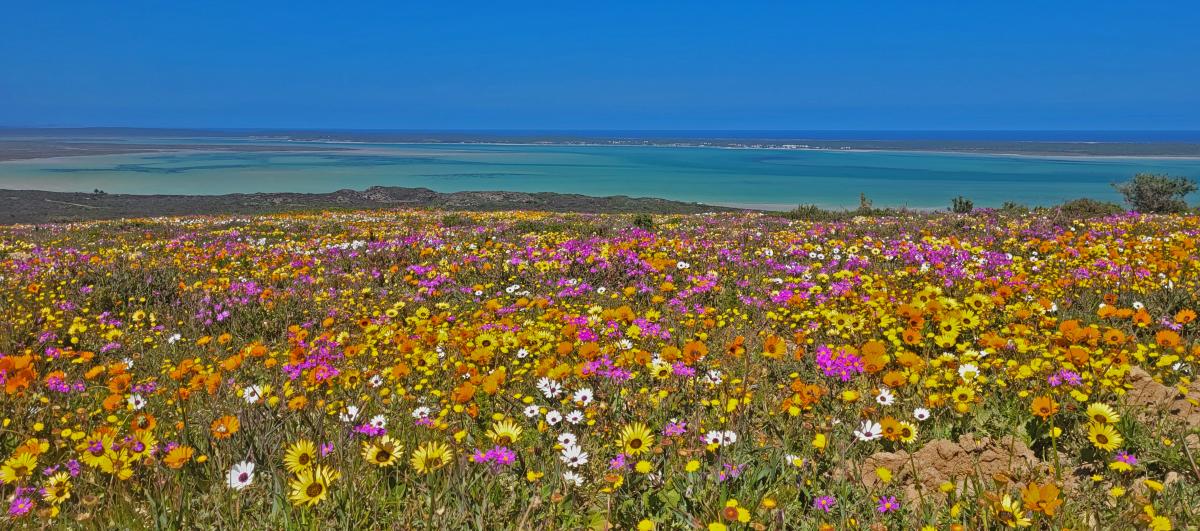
(572, 478)
(921, 414)
(885, 397)
(241, 475)
(136, 402)
(252, 394)
(349, 414)
(869, 431)
(532, 411)
(549, 388)
(573, 456)
(583, 397)
(379, 422)
(553, 417)
(575, 416)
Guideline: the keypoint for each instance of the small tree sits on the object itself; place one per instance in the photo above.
(1157, 193)
(961, 205)
(864, 202)
(644, 222)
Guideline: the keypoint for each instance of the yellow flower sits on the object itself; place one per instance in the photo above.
(1102, 414)
(692, 466)
(120, 463)
(636, 439)
(505, 432)
(57, 489)
(1010, 513)
(819, 441)
(18, 467)
(643, 467)
(382, 452)
(1104, 437)
(311, 485)
(884, 474)
(300, 456)
(646, 525)
(430, 456)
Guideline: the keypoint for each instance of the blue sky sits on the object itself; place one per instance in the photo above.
(603, 65)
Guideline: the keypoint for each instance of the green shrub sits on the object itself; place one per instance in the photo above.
(1157, 193)
(644, 221)
(961, 205)
(1089, 208)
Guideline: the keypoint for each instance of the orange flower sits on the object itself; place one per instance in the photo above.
(1044, 406)
(1185, 316)
(1167, 338)
(225, 427)
(179, 456)
(891, 428)
(1041, 498)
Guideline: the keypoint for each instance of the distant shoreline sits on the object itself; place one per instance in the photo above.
(26, 144)
(118, 149)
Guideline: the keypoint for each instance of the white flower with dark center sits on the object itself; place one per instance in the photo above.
(349, 414)
(532, 411)
(136, 402)
(583, 397)
(241, 475)
(553, 417)
(252, 394)
(421, 412)
(376, 381)
(550, 388)
(575, 416)
(567, 439)
(571, 478)
(728, 437)
(921, 414)
(379, 422)
(713, 437)
(885, 397)
(714, 376)
(869, 431)
(573, 456)
(683, 265)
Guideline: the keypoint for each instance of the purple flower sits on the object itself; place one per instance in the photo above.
(842, 364)
(888, 504)
(675, 428)
(825, 503)
(1127, 458)
(617, 463)
(20, 506)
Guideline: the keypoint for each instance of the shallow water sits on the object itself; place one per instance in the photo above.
(755, 177)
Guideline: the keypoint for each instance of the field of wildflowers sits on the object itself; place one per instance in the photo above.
(423, 370)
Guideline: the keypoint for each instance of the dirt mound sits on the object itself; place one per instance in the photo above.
(1158, 401)
(943, 460)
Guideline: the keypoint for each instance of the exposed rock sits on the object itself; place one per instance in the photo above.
(1158, 401)
(943, 460)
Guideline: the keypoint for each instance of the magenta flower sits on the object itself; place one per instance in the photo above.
(888, 504)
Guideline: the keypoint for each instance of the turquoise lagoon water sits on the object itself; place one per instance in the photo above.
(767, 178)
